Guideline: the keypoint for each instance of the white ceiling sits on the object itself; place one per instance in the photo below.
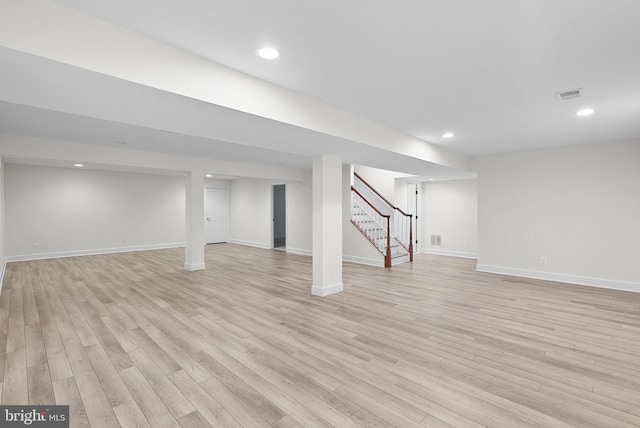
(484, 70)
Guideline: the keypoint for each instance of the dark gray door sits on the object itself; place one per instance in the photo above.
(279, 216)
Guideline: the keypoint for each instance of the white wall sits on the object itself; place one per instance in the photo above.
(74, 211)
(401, 193)
(577, 206)
(250, 213)
(381, 180)
(450, 209)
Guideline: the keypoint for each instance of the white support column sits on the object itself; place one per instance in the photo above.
(194, 221)
(327, 226)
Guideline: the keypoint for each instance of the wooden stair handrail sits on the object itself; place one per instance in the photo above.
(380, 196)
(369, 203)
(387, 255)
(410, 249)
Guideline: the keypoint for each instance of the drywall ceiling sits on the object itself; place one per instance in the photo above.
(486, 71)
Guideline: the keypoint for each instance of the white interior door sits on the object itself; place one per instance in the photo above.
(216, 215)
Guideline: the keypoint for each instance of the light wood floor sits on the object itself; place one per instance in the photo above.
(134, 340)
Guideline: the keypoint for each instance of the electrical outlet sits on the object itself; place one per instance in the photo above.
(466, 243)
(36, 245)
(543, 260)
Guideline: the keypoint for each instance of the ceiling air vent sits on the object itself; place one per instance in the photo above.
(569, 95)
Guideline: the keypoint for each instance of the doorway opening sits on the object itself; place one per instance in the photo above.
(279, 217)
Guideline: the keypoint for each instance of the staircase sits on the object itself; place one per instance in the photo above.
(384, 225)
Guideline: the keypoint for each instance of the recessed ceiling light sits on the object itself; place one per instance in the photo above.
(268, 53)
(585, 112)
(208, 175)
(431, 179)
(447, 135)
(78, 165)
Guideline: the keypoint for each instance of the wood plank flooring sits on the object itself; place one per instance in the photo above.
(134, 340)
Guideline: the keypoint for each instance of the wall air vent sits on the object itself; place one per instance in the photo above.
(570, 95)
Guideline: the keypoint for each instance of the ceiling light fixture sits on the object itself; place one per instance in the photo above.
(208, 175)
(447, 135)
(585, 112)
(431, 179)
(78, 165)
(268, 53)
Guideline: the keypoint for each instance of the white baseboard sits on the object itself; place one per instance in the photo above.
(439, 252)
(300, 251)
(92, 252)
(250, 244)
(194, 266)
(559, 277)
(323, 291)
(364, 261)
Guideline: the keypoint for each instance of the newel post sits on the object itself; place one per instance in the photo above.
(387, 256)
(410, 237)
